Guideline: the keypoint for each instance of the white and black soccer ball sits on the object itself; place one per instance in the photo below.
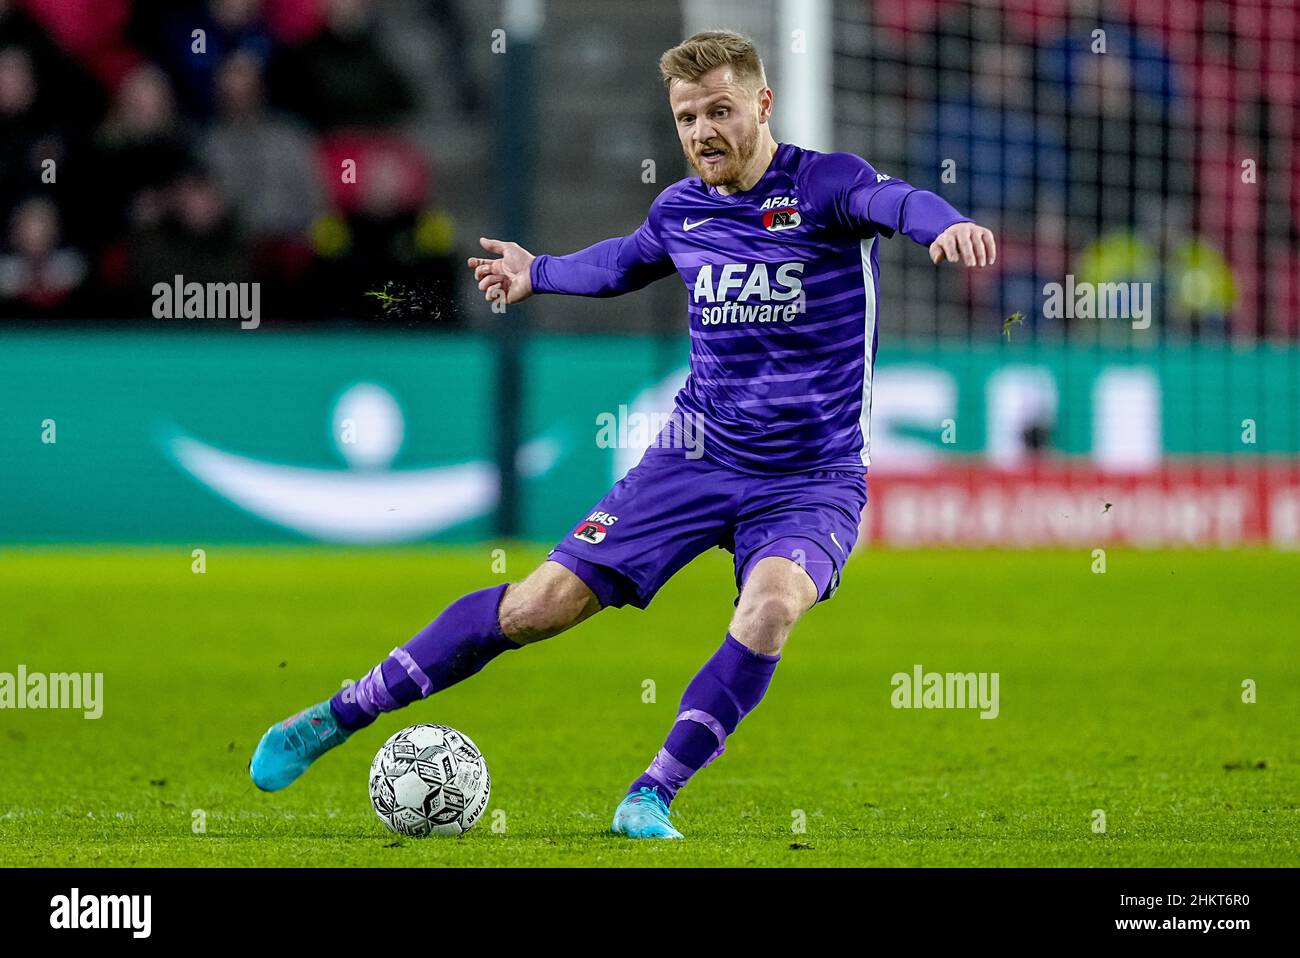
(429, 780)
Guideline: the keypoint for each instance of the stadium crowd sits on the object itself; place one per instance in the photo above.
(1116, 141)
(140, 139)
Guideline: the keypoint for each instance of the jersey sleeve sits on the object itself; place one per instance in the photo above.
(864, 201)
(610, 267)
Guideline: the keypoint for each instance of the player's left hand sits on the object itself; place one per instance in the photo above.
(967, 243)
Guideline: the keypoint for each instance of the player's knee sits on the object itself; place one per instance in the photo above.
(764, 623)
(543, 606)
(527, 615)
(777, 611)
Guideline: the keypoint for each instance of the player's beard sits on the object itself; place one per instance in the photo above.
(731, 169)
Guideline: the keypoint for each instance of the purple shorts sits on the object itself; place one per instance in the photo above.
(670, 509)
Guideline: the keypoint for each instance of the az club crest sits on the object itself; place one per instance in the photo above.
(784, 219)
(594, 528)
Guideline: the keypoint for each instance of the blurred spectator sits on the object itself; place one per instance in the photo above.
(38, 276)
(1065, 59)
(341, 77)
(25, 140)
(1201, 288)
(460, 69)
(1127, 159)
(59, 78)
(226, 26)
(1006, 156)
(384, 236)
(264, 161)
(194, 236)
(141, 148)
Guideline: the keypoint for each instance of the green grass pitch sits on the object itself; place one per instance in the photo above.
(1120, 692)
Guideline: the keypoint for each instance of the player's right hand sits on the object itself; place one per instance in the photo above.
(510, 276)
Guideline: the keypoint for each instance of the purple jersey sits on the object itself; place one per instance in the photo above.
(783, 286)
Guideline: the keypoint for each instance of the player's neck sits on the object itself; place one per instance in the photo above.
(762, 160)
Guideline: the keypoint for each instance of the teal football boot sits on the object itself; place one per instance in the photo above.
(288, 748)
(643, 814)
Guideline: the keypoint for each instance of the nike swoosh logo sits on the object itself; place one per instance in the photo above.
(836, 541)
(687, 225)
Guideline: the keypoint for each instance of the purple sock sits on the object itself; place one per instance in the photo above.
(722, 693)
(452, 647)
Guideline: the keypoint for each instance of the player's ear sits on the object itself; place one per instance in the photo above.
(764, 104)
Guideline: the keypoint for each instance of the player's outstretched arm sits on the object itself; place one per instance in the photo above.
(865, 201)
(967, 243)
(609, 268)
(509, 275)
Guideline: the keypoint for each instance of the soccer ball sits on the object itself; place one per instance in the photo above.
(429, 780)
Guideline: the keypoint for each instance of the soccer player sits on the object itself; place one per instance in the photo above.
(777, 248)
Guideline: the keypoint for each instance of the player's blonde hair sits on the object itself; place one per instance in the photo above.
(691, 59)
